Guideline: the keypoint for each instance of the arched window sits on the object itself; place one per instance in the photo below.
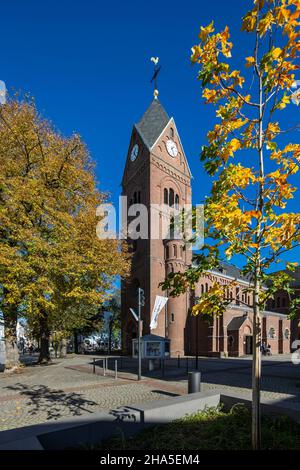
(172, 228)
(271, 333)
(202, 289)
(237, 294)
(167, 252)
(206, 287)
(287, 333)
(166, 196)
(171, 132)
(175, 251)
(171, 197)
(172, 317)
(181, 251)
(177, 201)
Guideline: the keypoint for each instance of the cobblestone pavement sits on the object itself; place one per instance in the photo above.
(68, 388)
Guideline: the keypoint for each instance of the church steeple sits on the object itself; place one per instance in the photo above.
(152, 123)
(156, 173)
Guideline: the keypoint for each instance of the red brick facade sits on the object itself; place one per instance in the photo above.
(156, 177)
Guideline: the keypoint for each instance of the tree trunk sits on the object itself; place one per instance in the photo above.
(10, 337)
(256, 373)
(76, 342)
(44, 356)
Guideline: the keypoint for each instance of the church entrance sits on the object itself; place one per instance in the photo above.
(249, 344)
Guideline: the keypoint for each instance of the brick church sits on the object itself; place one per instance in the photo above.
(157, 172)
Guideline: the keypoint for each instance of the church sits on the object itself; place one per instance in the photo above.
(156, 173)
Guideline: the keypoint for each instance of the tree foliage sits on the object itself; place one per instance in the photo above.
(53, 269)
(254, 173)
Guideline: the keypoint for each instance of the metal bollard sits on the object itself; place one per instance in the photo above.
(94, 366)
(194, 382)
(103, 364)
(116, 369)
(178, 361)
(187, 364)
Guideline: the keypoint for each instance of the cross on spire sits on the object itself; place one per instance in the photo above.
(154, 77)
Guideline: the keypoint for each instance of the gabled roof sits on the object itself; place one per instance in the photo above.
(152, 123)
(236, 323)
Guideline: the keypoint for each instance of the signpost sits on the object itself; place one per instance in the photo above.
(138, 317)
(141, 296)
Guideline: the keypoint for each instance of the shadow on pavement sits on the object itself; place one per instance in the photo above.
(52, 401)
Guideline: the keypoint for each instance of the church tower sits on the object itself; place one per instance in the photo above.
(156, 173)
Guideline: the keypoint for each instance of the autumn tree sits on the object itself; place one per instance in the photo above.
(254, 171)
(51, 261)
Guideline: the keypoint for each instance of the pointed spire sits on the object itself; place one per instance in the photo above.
(152, 123)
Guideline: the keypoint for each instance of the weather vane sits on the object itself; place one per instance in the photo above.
(155, 73)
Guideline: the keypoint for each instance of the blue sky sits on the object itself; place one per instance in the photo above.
(87, 63)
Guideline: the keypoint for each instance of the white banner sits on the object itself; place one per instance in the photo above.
(159, 304)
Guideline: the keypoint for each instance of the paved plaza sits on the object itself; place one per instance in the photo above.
(69, 388)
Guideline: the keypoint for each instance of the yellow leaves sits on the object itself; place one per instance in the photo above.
(209, 95)
(276, 53)
(211, 303)
(283, 232)
(249, 21)
(196, 53)
(285, 100)
(265, 23)
(238, 80)
(272, 131)
(205, 31)
(232, 147)
(282, 14)
(48, 202)
(250, 61)
(226, 46)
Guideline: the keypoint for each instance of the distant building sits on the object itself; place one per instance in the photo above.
(157, 172)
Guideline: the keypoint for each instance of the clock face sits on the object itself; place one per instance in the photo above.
(134, 152)
(172, 148)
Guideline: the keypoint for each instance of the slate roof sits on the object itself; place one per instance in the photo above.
(152, 123)
(228, 270)
(236, 323)
(231, 271)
